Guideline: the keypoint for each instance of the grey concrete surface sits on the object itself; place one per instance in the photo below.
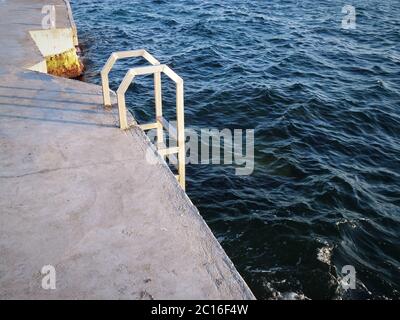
(77, 193)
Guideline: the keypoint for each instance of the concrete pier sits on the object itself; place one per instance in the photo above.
(78, 194)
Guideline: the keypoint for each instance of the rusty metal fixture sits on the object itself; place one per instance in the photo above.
(66, 64)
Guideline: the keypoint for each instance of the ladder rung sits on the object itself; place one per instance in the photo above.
(168, 151)
(149, 126)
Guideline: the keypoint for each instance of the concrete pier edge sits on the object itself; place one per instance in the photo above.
(78, 194)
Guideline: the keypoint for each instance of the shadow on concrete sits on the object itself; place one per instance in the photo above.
(29, 106)
(58, 121)
(32, 25)
(52, 100)
(51, 90)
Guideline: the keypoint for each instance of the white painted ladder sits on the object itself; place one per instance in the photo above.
(161, 123)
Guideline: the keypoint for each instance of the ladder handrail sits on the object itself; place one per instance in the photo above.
(114, 57)
(155, 68)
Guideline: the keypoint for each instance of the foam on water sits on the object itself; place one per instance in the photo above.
(325, 254)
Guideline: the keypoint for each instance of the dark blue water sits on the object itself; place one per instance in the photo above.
(324, 103)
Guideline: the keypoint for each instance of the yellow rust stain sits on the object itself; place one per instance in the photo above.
(65, 64)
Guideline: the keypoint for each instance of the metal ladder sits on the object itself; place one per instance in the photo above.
(161, 123)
